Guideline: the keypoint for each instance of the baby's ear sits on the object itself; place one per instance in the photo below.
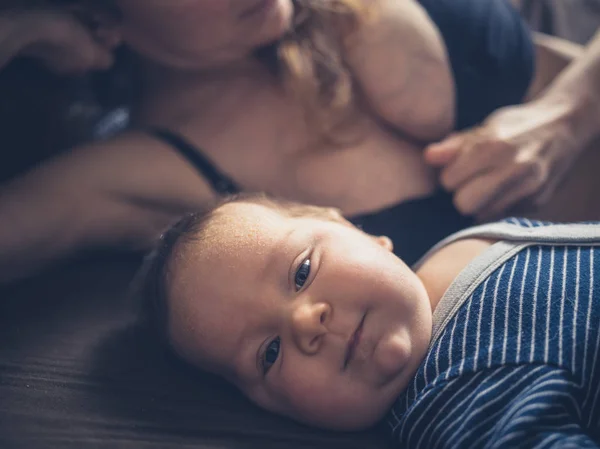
(385, 242)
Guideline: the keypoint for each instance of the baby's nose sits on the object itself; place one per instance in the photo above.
(309, 325)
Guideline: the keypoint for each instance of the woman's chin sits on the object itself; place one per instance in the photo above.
(279, 22)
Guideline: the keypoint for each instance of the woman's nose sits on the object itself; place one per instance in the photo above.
(309, 325)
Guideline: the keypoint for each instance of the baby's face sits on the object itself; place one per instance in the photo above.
(311, 319)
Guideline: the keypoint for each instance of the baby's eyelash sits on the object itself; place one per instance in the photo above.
(302, 274)
(271, 354)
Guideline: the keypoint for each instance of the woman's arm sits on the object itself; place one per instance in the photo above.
(399, 61)
(552, 56)
(123, 193)
(579, 87)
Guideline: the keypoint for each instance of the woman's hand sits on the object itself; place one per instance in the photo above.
(57, 39)
(520, 153)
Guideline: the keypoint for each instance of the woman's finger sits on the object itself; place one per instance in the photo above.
(475, 195)
(554, 179)
(478, 156)
(441, 153)
(480, 153)
(510, 196)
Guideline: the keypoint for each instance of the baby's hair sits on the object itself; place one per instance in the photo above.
(152, 282)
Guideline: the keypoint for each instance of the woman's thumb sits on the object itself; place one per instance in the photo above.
(441, 153)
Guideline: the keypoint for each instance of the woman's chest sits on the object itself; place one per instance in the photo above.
(260, 138)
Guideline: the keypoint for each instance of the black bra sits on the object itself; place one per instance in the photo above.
(221, 183)
(414, 226)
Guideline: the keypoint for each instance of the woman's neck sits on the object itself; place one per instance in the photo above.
(168, 93)
(158, 77)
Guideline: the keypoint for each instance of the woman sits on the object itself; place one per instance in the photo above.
(325, 102)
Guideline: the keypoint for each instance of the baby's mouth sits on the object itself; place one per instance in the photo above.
(353, 342)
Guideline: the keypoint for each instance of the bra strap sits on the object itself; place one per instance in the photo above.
(221, 183)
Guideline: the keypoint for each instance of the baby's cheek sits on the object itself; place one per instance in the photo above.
(300, 382)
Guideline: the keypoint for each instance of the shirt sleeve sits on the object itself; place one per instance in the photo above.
(526, 406)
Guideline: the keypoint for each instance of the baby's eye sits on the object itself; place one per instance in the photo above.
(271, 354)
(302, 274)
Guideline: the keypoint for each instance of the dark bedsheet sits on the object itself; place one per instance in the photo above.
(75, 373)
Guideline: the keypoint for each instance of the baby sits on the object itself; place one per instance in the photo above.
(491, 341)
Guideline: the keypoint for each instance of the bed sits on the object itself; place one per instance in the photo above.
(76, 371)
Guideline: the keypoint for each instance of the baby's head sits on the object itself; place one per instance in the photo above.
(307, 315)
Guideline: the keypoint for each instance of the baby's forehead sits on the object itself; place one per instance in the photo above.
(239, 223)
(238, 235)
(248, 210)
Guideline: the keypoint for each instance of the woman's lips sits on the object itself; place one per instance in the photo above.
(353, 342)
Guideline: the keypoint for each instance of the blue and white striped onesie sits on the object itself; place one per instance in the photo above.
(514, 360)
